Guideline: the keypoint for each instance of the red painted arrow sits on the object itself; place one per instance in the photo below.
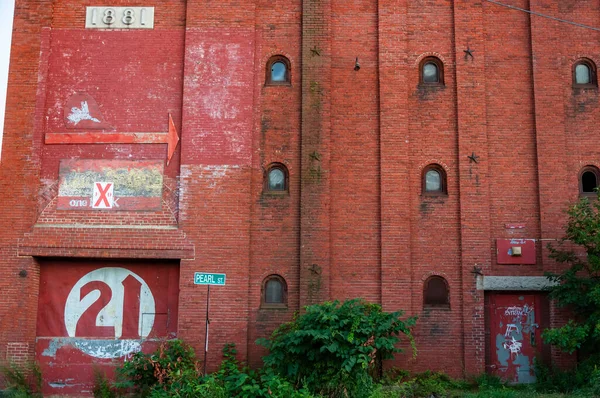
(171, 138)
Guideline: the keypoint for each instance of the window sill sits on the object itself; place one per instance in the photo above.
(585, 86)
(434, 194)
(436, 307)
(273, 306)
(282, 84)
(276, 194)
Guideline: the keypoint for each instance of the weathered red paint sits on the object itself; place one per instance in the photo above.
(94, 313)
(515, 335)
(171, 138)
(505, 251)
(134, 184)
(353, 223)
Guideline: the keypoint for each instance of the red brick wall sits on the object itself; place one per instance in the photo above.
(355, 142)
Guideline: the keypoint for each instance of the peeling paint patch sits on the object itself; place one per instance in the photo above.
(216, 173)
(105, 349)
(62, 384)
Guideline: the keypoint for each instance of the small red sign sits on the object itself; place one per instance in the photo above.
(516, 251)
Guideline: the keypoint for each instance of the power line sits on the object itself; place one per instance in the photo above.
(544, 15)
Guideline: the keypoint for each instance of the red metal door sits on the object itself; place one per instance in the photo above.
(93, 315)
(514, 326)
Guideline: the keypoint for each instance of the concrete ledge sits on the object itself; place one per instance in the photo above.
(512, 283)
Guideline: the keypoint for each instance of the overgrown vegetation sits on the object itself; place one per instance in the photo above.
(21, 380)
(334, 348)
(578, 289)
(331, 350)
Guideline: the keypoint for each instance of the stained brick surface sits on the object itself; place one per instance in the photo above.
(354, 222)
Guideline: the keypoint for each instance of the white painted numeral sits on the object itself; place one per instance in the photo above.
(128, 16)
(120, 17)
(109, 16)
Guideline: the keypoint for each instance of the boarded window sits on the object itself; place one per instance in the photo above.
(436, 292)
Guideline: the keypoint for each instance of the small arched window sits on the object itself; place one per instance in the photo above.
(278, 71)
(276, 178)
(589, 178)
(434, 180)
(431, 71)
(436, 292)
(274, 292)
(584, 73)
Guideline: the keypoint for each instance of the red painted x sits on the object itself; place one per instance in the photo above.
(103, 193)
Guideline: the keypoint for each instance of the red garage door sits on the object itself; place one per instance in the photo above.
(93, 314)
(514, 325)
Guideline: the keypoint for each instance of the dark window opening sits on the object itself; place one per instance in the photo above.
(436, 292)
(588, 181)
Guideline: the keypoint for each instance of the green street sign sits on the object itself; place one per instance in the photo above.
(204, 278)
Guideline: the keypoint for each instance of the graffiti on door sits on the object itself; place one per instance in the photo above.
(515, 336)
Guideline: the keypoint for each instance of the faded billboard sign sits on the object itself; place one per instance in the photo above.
(96, 314)
(92, 184)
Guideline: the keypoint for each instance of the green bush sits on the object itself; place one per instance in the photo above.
(22, 380)
(173, 361)
(584, 378)
(486, 381)
(333, 348)
(578, 286)
(102, 387)
(246, 383)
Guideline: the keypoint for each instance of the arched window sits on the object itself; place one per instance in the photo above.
(276, 178)
(589, 178)
(436, 292)
(278, 71)
(434, 180)
(431, 71)
(274, 292)
(584, 73)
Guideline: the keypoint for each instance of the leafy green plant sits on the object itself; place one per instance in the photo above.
(333, 347)
(22, 380)
(143, 373)
(578, 286)
(245, 383)
(486, 381)
(583, 378)
(102, 387)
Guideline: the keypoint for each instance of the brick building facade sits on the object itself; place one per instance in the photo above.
(427, 150)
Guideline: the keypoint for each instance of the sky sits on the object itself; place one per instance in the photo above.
(6, 21)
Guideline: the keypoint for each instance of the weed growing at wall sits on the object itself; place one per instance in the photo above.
(578, 288)
(333, 348)
(22, 380)
(173, 361)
